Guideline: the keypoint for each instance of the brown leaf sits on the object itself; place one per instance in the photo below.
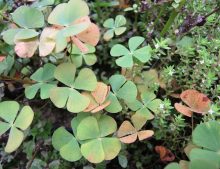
(165, 154)
(183, 109)
(198, 102)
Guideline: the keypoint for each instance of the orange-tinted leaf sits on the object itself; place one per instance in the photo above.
(198, 102)
(165, 154)
(129, 139)
(183, 109)
(98, 98)
(145, 134)
(125, 129)
(2, 58)
(101, 107)
(26, 49)
(101, 92)
(91, 35)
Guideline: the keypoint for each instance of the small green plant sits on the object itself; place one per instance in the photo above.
(133, 54)
(116, 27)
(17, 123)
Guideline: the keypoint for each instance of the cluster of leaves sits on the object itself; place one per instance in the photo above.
(65, 77)
(203, 151)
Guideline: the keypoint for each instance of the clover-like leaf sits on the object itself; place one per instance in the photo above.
(197, 102)
(28, 17)
(97, 146)
(128, 133)
(77, 56)
(66, 144)
(44, 78)
(65, 14)
(115, 27)
(16, 123)
(126, 60)
(122, 89)
(149, 103)
(69, 96)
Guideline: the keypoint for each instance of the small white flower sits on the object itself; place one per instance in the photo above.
(171, 72)
(157, 46)
(162, 106)
(202, 61)
(211, 111)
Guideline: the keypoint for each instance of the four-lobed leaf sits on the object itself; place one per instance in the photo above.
(44, 78)
(127, 56)
(149, 103)
(68, 96)
(97, 145)
(17, 123)
(116, 27)
(77, 56)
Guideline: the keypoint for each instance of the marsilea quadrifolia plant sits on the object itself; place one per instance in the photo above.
(69, 83)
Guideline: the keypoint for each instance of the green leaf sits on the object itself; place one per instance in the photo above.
(44, 76)
(207, 135)
(66, 13)
(114, 106)
(119, 31)
(9, 36)
(14, 141)
(202, 164)
(143, 54)
(65, 73)
(61, 42)
(75, 29)
(125, 61)
(109, 34)
(93, 151)
(119, 50)
(135, 42)
(109, 23)
(24, 34)
(28, 17)
(91, 128)
(4, 127)
(44, 73)
(123, 161)
(76, 101)
(24, 118)
(128, 91)
(211, 156)
(88, 128)
(120, 20)
(97, 150)
(66, 143)
(86, 80)
(123, 89)
(173, 166)
(59, 96)
(31, 91)
(9, 110)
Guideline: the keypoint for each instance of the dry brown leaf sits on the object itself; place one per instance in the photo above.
(165, 154)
